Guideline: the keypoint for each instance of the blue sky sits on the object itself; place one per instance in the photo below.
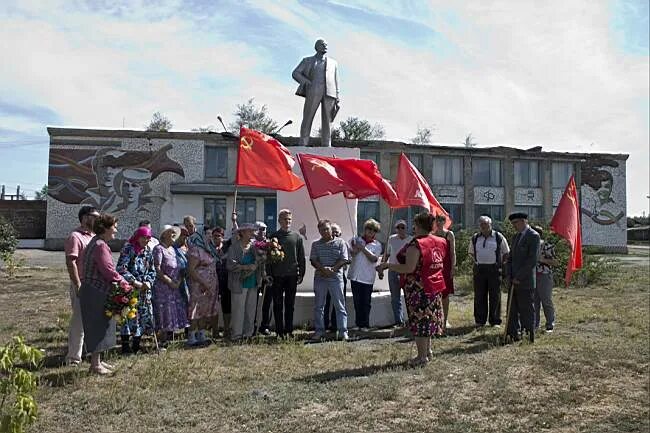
(567, 75)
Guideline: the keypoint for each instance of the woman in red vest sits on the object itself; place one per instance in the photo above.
(422, 262)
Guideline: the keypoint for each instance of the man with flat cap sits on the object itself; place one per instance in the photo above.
(521, 270)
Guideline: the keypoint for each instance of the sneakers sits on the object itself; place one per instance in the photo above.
(549, 329)
(265, 331)
(344, 337)
(191, 338)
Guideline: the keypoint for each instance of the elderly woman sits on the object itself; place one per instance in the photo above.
(136, 266)
(245, 276)
(96, 283)
(204, 288)
(365, 252)
(543, 295)
(450, 263)
(169, 308)
(422, 261)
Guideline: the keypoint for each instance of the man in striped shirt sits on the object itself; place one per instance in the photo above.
(329, 255)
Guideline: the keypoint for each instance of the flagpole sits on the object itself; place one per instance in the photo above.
(390, 227)
(347, 205)
(302, 169)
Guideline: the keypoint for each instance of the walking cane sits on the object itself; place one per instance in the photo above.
(511, 290)
(258, 307)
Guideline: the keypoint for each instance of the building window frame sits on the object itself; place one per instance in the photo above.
(217, 168)
(449, 164)
(214, 219)
(527, 173)
(494, 172)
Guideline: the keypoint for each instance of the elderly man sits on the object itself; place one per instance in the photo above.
(319, 85)
(395, 243)
(521, 270)
(488, 248)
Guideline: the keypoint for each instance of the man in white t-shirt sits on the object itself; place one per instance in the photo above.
(395, 243)
(365, 252)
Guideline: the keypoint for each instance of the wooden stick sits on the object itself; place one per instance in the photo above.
(347, 205)
(511, 294)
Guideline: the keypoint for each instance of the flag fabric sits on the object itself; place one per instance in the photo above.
(263, 161)
(355, 178)
(413, 190)
(566, 223)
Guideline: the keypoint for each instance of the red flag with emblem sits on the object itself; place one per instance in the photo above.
(355, 178)
(413, 190)
(566, 223)
(263, 161)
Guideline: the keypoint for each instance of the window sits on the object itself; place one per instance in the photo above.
(216, 162)
(486, 172)
(365, 211)
(527, 174)
(246, 210)
(561, 172)
(494, 212)
(447, 171)
(372, 156)
(214, 212)
(456, 214)
(270, 214)
(407, 214)
(416, 160)
(535, 213)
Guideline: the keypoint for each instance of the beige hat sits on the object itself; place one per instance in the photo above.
(400, 222)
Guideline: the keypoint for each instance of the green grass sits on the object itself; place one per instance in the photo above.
(591, 375)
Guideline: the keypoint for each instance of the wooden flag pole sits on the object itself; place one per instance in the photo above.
(347, 205)
(511, 292)
(390, 228)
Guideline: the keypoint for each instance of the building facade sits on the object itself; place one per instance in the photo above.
(162, 176)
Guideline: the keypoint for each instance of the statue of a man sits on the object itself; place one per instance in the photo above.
(319, 85)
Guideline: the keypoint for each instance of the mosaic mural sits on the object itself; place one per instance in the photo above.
(112, 179)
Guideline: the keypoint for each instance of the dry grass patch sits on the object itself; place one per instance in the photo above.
(591, 375)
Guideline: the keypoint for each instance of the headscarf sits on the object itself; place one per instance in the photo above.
(139, 233)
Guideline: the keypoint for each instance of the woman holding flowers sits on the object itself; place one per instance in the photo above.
(169, 308)
(136, 266)
(204, 288)
(97, 280)
(245, 276)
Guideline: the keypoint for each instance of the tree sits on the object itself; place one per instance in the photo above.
(469, 141)
(250, 116)
(159, 123)
(354, 128)
(42, 194)
(423, 136)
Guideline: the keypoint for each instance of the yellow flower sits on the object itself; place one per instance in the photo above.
(108, 313)
(133, 302)
(131, 314)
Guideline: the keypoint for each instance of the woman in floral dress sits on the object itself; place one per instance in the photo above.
(422, 261)
(136, 266)
(204, 289)
(169, 308)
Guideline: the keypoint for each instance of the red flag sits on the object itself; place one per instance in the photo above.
(355, 178)
(413, 190)
(262, 161)
(566, 223)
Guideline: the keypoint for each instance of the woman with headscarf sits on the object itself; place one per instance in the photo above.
(136, 266)
(422, 260)
(97, 279)
(204, 288)
(169, 308)
(245, 275)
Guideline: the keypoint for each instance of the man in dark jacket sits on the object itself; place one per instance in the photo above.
(521, 270)
(286, 274)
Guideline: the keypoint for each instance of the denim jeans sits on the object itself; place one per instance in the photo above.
(395, 296)
(335, 289)
(543, 298)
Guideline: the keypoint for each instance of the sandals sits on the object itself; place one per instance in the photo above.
(100, 371)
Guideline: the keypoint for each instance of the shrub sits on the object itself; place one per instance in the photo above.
(8, 237)
(17, 385)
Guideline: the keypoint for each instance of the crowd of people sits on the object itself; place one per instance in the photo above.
(187, 280)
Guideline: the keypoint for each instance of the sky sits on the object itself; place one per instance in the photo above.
(567, 75)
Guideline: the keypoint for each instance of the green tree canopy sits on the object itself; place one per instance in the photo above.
(251, 116)
(159, 122)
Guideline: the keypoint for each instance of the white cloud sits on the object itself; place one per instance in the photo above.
(520, 73)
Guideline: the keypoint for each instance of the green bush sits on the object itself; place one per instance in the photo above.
(8, 237)
(17, 385)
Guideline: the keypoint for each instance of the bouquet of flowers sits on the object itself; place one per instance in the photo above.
(271, 249)
(121, 301)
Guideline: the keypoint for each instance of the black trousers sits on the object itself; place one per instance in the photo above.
(224, 293)
(362, 298)
(522, 311)
(266, 308)
(284, 295)
(487, 294)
